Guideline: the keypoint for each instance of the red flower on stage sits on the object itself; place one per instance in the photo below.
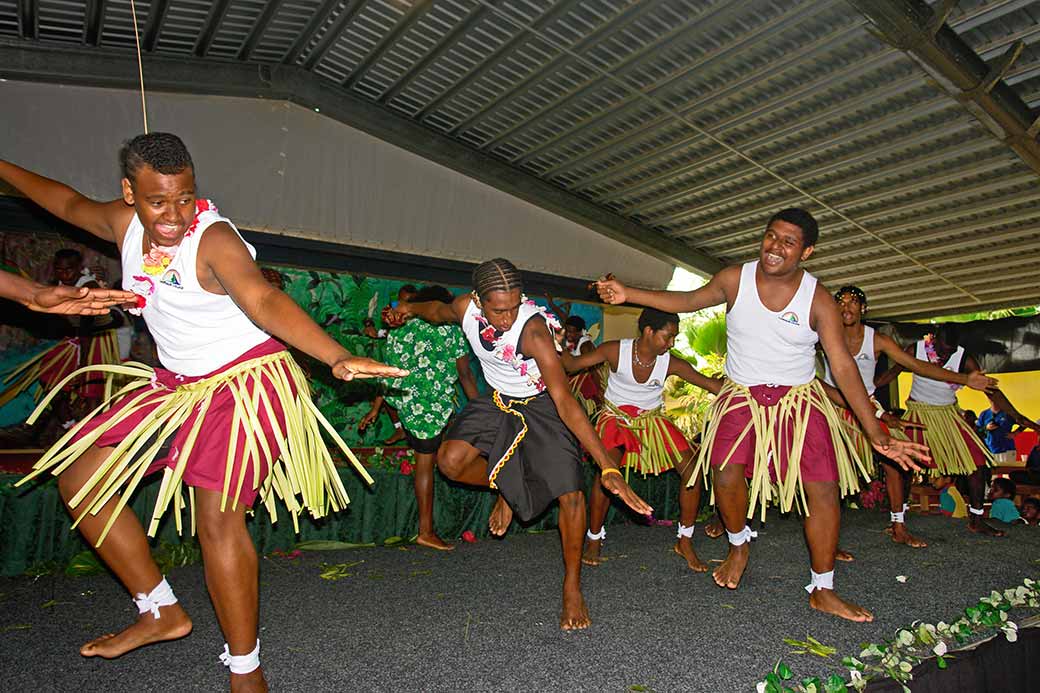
(469, 537)
(406, 468)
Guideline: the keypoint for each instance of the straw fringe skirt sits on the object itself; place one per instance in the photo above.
(779, 433)
(273, 432)
(651, 442)
(954, 445)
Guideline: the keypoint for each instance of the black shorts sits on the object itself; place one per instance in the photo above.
(530, 468)
(425, 446)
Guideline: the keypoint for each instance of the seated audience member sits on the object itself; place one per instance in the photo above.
(1031, 511)
(1002, 493)
(951, 502)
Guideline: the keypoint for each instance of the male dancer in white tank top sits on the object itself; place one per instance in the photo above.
(215, 269)
(776, 314)
(520, 440)
(634, 429)
(955, 448)
(866, 345)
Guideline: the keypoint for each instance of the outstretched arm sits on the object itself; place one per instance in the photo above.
(894, 370)
(684, 370)
(720, 289)
(975, 379)
(594, 357)
(1005, 405)
(827, 321)
(65, 300)
(225, 256)
(539, 344)
(435, 312)
(106, 220)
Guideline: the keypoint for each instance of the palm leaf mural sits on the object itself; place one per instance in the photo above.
(686, 404)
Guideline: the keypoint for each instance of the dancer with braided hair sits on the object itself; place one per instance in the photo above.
(866, 345)
(233, 402)
(772, 421)
(520, 439)
(633, 427)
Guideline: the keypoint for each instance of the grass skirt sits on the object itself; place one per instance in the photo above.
(262, 399)
(954, 446)
(56, 363)
(651, 442)
(779, 433)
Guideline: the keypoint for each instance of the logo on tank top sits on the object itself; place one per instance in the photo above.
(172, 278)
(655, 383)
(790, 317)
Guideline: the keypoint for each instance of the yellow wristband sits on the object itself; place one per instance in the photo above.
(610, 470)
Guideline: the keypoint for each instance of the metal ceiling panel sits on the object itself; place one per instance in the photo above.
(692, 120)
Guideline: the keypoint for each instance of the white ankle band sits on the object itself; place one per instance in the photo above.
(598, 536)
(742, 537)
(977, 511)
(906, 506)
(897, 517)
(241, 664)
(685, 531)
(397, 425)
(820, 581)
(161, 595)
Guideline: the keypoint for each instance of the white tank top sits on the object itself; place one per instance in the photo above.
(623, 388)
(928, 391)
(195, 331)
(585, 339)
(865, 360)
(505, 368)
(770, 348)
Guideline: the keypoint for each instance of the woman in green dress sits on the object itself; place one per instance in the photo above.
(425, 401)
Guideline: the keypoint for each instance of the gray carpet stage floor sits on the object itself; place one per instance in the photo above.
(484, 618)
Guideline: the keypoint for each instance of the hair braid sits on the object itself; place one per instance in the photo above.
(496, 275)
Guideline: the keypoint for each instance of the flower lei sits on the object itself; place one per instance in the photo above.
(155, 262)
(507, 352)
(929, 350)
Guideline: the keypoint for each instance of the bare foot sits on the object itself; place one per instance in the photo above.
(501, 516)
(714, 529)
(395, 437)
(253, 682)
(829, 602)
(732, 569)
(145, 630)
(575, 615)
(984, 528)
(591, 554)
(433, 541)
(843, 555)
(900, 535)
(684, 547)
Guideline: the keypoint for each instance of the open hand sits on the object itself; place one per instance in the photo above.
(361, 367)
(903, 453)
(69, 300)
(617, 485)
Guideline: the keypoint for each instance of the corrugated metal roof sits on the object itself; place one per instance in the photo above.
(694, 119)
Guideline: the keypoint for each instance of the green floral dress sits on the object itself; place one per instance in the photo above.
(424, 399)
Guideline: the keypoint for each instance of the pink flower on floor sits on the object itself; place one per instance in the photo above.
(406, 468)
(469, 537)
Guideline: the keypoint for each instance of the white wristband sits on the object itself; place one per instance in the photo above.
(879, 413)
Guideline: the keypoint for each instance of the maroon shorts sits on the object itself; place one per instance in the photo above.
(207, 461)
(818, 462)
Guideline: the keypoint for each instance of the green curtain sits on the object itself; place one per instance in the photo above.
(34, 525)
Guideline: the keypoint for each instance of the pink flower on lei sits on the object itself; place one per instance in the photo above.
(508, 352)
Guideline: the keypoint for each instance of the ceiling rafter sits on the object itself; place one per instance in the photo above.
(216, 16)
(416, 12)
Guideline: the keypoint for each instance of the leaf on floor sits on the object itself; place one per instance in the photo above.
(328, 545)
(337, 571)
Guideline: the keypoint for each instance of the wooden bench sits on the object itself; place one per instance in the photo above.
(925, 499)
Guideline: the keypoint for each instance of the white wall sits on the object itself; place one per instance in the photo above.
(274, 166)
